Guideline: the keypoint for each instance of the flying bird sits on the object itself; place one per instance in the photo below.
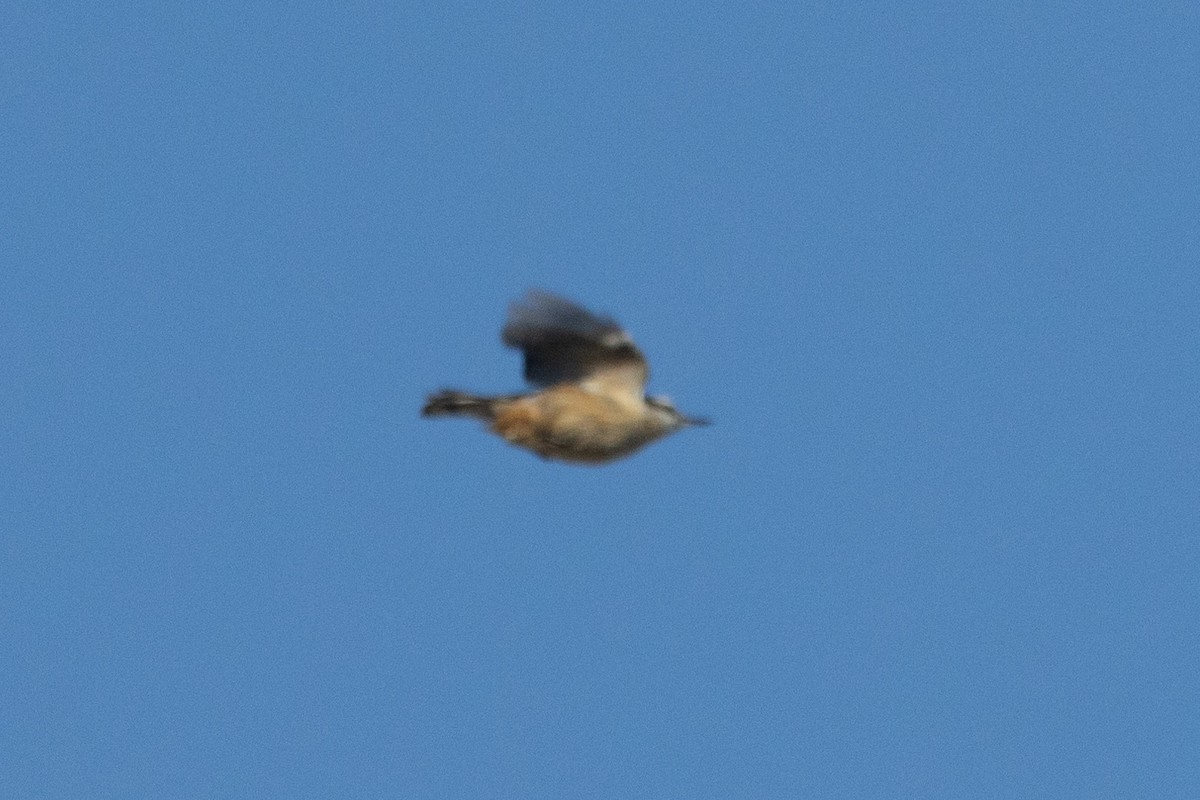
(590, 405)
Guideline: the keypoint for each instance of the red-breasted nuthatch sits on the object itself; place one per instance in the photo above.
(591, 408)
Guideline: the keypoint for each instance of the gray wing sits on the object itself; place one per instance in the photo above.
(565, 343)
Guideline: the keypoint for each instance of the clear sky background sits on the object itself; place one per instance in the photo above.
(932, 268)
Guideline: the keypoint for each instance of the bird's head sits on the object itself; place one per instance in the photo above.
(665, 411)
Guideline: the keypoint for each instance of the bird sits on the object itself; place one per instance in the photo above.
(589, 404)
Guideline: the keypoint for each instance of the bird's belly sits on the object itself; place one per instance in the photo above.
(581, 432)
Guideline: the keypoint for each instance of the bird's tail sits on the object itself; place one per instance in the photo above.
(458, 404)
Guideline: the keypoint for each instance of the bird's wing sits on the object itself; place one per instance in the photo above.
(566, 343)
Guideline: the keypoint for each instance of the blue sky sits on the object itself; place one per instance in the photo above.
(930, 267)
